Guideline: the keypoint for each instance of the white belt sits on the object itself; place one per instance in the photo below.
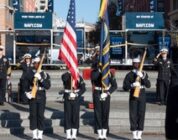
(69, 91)
(142, 87)
(40, 88)
(100, 88)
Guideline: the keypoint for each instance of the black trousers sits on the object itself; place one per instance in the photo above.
(3, 83)
(71, 113)
(162, 90)
(37, 108)
(101, 111)
(23, 88)
(137, 109)
(171, 121)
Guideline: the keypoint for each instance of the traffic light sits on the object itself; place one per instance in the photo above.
(16, 5)
(119, 8)
(50, 5)
(153, 5)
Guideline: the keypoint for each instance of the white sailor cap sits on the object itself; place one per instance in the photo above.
(97, 47)
(164, 50)
(136, 60)
(27, 55)
(1, 47)
(36, 60)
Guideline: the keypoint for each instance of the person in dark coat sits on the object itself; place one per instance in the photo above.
(101, 100)
(171, 121)
(137, 106)
(27, 67)
(72, 104)
(5, 72)
(37, 105)
(165, 68)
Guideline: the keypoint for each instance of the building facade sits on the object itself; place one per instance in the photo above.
(6, 24)
(29, 6)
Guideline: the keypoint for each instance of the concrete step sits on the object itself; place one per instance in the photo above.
(82, 130)
(14, 118)
(114, 115)
(122, 122)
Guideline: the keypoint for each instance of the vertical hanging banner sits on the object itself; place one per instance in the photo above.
(164, 42)
(16, 5)
(153, 5)
(50, 6)
(119, 8)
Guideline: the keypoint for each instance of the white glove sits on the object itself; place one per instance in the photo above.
(72, 95)
(38, 76)
(29, 95)
(136, 84)
(8, 77)
(140, 74)
(104, 95)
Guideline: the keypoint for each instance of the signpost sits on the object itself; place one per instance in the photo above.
(143, 21)
(33, 21)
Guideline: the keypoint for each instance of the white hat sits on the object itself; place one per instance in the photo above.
(164, 50)
(97, 47)
(136, 60)
(36, 60)
(1, 47)
(27, 55)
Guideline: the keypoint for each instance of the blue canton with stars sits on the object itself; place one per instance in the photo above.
(71, 14)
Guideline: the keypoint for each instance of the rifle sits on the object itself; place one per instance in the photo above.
(35, 80)
(137, 89)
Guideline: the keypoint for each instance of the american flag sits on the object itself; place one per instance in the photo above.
(68, 51)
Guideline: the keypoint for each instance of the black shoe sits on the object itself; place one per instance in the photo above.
(34, 139)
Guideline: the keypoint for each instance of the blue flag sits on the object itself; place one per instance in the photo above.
(104, 50)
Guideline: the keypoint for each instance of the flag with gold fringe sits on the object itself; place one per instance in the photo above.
(104, 44)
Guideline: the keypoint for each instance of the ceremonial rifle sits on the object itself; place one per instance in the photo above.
(137, 88)
(35, 80)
